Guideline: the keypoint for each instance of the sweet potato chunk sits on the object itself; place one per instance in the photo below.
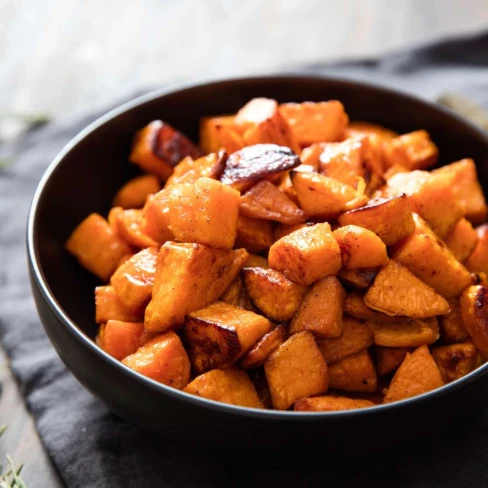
(230, 140)
(396, 291)
(478, 261)
(462, 240)
(321, 310)
(474, 310)
(133, 280)
(254, 112)
(265, 346)
(129, 224)
(456, 360)
(120, 339)
(272, 293)
(255, 235)
(296, 370)
(96, 246)
(265, 201)
(316, 121)
(306, 255)
(162, 359)
(360, 248)
(189, 277)
(355, 338)
(237, 296)
(230, 385)
(417, 374)
(452, 328)
(109, 307)
(355, 307)
(330, 403)
(282, 230)
(209, 131)
(220, 334)
(354, 373)
(155, 217)
(256, 261)
(390, 219)
(134, 193)
(388, 359)
(358, 278)
(310, 155)
(360, 128)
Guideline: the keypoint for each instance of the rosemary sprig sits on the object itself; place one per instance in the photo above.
(12, 478)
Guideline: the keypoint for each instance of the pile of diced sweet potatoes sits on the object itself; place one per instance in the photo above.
(294, 259)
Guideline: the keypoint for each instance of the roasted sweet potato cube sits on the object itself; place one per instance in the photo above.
(316, 121)
(220, 334)
(474, 310)
(358, 278)
(209, 131)
(254, 112)
(321, 310)
(355, 307)
(230, 140)
(354, 373)
(416, 375)
(229, 385)
(258, 377)
(282, 230)
(189, 277)
(162, 359)
(388, 359)
(265, 201)
(204, 212)
(134, 193)
(462, 240)
(237, 296)
(456, 360)
(109, 307)
(255, 235)
(360, 248)
(120, 339)
(133, 280)
(452, 328)
(390, 219)
(129, 225)
(306, 255)
(310, 155)
(296, 370)
(396, 291)
(155, 217)
(265, 346)
(360, 128)
(96, 246)
(271, 292)
(478, 261)
(330, 403)
(356, 337)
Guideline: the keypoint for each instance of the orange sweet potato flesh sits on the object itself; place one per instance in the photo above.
(271, 292)
(456, 360)
(358, 278)
(134, 193)
(155, 217)
(254, 112)
(478, 261)
(330, 403)
(220, 334)
(162, 359)
(265, 346)
(306, 255)
(255, 235)
(388, 359)
(189, 277)
(230, 140)
(321, 310)
(237, 296)
(474, 311)
(134, 279)
(230, 385)
(396, 291)
(355, 307)
(256, 261)
(129, 224)
(462, 240)
(120, 339)
(282, 230)
(354, 373)
(355, 338)
(209, 132)
(416, 375)
(310, 155)
(452, 328)
(296, 370)
(265, 201)
(390, 219)
(360, 248)
(359, 128)
(96, 246)
(109, 307)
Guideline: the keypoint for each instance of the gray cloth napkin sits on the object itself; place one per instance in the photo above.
(90, 447)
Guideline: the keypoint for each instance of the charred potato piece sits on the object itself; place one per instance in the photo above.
(388, 359)
(462, 240)
(478, 261)
(355, 307)
(209, 131)
(474, 310)
(354, 373)
(456, 360)
(134, 193)
(358, 278)
(255, 235)
(265, 346)
(452, 328)
(330, 403)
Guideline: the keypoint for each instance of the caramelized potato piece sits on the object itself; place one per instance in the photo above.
(417, 374)
(478, 261)
(120, 339)
(255, 235)
(133, 280)
(134, 193)
(306, 255)
(396, 291)
(330, 403)
(451, 325)
(189, 277)
(109, 307)
(456, 360)
(358, 278)
(129, 224)
(390, 219)
(155, 217)
(355, 307)
(360, 248)
(474, 310)
(296, 370)
(237, 296)
(162, 359)
(462, 240)
(388, 359)
(272, 293)
(209, 131)
(316, 121)
(258, 354)
(356, 337)
(96, 246)
(354, 373)
(220, 334)
(265, 201)
(189, 170)
(254, 112)
(321, 310)
(229, 385)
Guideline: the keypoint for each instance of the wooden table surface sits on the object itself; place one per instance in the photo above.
(66, 57)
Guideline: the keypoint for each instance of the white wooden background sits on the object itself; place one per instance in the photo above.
(65, 57)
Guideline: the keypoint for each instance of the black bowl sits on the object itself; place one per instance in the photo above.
(86, 175)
